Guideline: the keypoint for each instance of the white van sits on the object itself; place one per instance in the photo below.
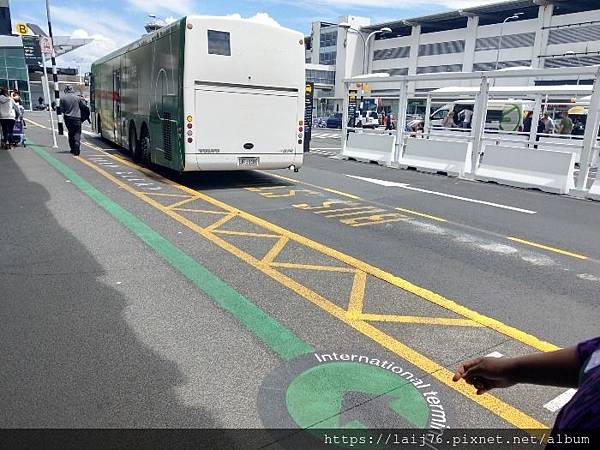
(506, 115)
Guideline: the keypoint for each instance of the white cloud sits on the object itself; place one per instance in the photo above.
(260, 17)
(170, 19)
(176, 7)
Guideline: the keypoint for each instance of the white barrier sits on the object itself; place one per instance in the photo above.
(370, 147)
(594, 193)
(431, 155)
(550, 171)
(448, 133)
(574, 146)
(510, 140)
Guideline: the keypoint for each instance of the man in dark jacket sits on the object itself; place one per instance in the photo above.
(71, 104)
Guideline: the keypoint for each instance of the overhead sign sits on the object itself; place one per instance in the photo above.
(22, 29)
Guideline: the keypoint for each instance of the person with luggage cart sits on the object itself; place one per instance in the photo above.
(9, 112)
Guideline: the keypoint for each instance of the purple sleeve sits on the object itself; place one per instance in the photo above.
(586, 348)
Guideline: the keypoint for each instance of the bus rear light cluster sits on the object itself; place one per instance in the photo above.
(299, 141)
(190, 140)
(300, 129)
(190, 132)
(189, 125)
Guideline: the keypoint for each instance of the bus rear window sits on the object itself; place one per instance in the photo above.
(218, 43)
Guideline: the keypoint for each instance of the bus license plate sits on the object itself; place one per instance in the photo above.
(248, 161)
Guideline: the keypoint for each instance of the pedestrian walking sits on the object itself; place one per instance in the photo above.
(448, 121)
(574, 367)
(548, 123)
(468, 118)
(565, 126)
(72, 106)
(8, 114)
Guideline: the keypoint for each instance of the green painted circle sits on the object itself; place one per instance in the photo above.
(511, 118)
(316, 395)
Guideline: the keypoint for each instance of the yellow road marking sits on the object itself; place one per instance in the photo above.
(162, 194)
(313, 267)
(426, 294)
(509, 413)
(357, 295)
(420, 320)
(221, 221)
(420, 214)
(333, 191)
(275, 250)
(371, 210)
(203, 211)
(397, 281)
(245, 233)
(182, 202)
(547, 247)
(37, 124)
(363, 208)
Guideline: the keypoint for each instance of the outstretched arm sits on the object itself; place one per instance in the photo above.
(558, 368)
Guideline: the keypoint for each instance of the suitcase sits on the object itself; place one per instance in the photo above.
(18, 137)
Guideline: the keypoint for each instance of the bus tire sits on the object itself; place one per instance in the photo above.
(145, 154)
(134, 145)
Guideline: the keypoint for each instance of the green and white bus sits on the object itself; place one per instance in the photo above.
(205, 93)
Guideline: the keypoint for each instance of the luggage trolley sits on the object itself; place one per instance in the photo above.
(18, 137)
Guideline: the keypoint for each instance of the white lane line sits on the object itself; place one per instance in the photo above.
(441, 194)
(558, 402)
(495, 355)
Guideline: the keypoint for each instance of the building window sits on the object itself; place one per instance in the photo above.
(327, 58)
(391, 53)
(508, 41)
(13, 72)
(441, 48)
(393, 72)
(320, 76)
(485, 66)
(574, 34)
(328, 39)
(440, 68)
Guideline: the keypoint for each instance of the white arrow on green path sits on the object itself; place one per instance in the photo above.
(441, 194)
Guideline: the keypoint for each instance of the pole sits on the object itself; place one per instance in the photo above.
(499, 45)
(54, 73)
(535, 118)
(427, 121)
(478, 123)
(400, 122)
(590, 136)
(46, 88)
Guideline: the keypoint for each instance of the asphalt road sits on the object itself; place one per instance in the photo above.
(141, 298)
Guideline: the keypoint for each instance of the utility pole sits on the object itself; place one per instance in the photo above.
(54, 73)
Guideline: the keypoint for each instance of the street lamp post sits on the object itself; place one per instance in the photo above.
(513, 17)
(365, 61)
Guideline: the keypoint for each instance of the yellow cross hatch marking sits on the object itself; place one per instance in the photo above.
(314, 267)
(357, 294)
(182, 202)
(200, 211)
(246, 233)
(275, 250)
(504, 410)
(419, 320)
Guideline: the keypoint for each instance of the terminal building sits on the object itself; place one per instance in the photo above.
(517, 33)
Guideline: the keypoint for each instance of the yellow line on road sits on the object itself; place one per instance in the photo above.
(37, 124)
(182, 202)
(202, 211)
(547, 247)
(333, 191)
(221, 221)
(313, 267)
(162, 194)
(426, 294)
(245, 233)
(420, 320)
(508, 412)
(275, 250)
(357, 295)
(420, 214)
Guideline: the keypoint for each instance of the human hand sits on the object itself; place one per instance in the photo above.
(486, 373)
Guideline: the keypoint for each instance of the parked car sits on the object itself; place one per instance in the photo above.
(335, 121)
(369, 120)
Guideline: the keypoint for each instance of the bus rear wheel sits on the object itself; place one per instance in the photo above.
(134, 146)
(145, 147)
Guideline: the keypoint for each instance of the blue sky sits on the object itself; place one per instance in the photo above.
(113, 23)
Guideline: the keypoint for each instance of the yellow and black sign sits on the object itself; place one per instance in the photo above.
(22, 29)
